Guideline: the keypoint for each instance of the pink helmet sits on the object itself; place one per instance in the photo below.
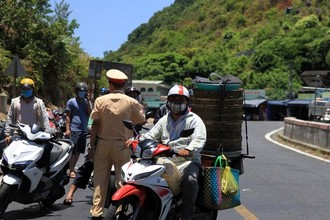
(179, 90)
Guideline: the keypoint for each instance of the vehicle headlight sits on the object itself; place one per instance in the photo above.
(122, 175)
(147, 153)
(4, 160)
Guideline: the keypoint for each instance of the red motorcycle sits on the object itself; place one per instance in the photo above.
(147, 193)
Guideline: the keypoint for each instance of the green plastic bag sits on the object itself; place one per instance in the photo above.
(229, 185)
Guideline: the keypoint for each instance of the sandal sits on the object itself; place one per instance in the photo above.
(68, 201)
(73, 175)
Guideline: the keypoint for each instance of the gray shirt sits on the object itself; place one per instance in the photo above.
(33, 112)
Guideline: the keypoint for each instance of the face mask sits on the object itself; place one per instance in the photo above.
(176, 107)
(27, 93)
(82, 94)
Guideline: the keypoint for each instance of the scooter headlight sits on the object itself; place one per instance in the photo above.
(21, 165)
(122, 175)
(4, 160)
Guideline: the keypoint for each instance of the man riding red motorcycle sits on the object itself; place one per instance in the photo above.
(168, 130)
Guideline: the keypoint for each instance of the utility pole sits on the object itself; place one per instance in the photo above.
(290, 86)
(317, 80)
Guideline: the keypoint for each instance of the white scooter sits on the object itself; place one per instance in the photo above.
(146, 194)
(25, 180)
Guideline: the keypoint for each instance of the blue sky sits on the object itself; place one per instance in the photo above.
(105, 24)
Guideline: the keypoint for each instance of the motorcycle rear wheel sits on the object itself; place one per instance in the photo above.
(6, 195)
(111, 190)
(127, 208)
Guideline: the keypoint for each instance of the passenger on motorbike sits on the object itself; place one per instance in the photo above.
(168, 130)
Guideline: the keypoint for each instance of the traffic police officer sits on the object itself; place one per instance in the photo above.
(108, 114)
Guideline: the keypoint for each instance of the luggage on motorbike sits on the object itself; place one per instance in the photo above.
(171, 175)
(211, 194)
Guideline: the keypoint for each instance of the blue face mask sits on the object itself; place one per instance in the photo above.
(82, 94)
(27, 93)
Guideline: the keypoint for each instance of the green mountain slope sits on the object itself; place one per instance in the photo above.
(256, 40)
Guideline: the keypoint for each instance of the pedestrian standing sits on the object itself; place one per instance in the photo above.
(77, 112)
(84, 172)
(108, 114)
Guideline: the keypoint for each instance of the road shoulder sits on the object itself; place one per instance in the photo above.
(278, 138)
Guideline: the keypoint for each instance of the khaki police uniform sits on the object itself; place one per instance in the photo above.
(111, 110)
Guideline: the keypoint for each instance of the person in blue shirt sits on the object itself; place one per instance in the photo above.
(78, 110)
(84, 172)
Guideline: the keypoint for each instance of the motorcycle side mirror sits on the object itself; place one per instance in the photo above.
(35, 128)
(128, 124)
(187, 132)
(149, 114)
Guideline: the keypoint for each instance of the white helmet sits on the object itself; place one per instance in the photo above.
(179, 90)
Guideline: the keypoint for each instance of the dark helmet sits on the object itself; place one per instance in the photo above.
(132, 89)
(146, 148)
(104, 91)
(81, 86)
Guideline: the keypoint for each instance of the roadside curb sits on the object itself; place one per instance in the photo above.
(299, 147)
(313, 147)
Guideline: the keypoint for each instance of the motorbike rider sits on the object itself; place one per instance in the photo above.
(167, 129)
(28, 109)
(134, 93)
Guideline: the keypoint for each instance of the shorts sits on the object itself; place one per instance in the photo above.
(79, 140)
(83, 174)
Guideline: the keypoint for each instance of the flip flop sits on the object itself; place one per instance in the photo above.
(68, 201)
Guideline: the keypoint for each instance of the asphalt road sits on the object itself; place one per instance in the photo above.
(278, 184)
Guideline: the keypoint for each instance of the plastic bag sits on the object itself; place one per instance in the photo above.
(229, 185)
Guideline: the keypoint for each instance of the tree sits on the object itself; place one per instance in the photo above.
(44, 42)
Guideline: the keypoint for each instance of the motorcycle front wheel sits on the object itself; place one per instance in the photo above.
(127, 208)
(6, 194)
